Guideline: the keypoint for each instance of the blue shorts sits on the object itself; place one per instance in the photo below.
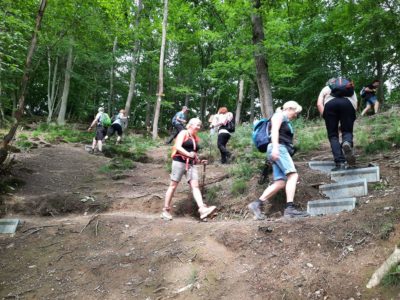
(283, 165)
(371, 100)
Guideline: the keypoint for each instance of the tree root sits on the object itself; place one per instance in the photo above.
(378, 275)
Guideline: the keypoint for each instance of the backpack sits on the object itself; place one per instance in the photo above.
(363, 92)
(261, 137)
(105, 120)
(114, 117)
(230, 126)
(341, 87)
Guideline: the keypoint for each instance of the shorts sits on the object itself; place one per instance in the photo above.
(100, 133)
(371, 100)
(114, 128)
(284, 165)
(179, 169)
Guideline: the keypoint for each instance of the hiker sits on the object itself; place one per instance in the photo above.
(100, 131)
(119, 125)
(279, 151)
(339, 106)
(220, 121)
(184, 159)
(370, 97)
(178, 123)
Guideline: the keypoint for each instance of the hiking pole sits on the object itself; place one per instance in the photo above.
(203, 184)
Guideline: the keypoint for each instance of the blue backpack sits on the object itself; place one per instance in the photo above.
(261, 137)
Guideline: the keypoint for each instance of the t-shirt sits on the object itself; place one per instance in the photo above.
(179, 115)
(121, 120)
(98, 117)
(222, 119)
(370, 94)
(326, 96)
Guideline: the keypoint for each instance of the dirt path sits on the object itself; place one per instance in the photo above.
(116, 247)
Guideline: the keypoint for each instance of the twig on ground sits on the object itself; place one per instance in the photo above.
(95, 215)
(97, 225)
(41, 227)
(62, 255)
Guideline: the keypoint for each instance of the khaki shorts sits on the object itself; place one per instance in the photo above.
(179, 169)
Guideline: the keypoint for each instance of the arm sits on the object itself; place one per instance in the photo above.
(276, 123)
(94, 122)
(320, 101)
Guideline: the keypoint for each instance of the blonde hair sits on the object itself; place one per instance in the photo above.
(101, 109)
(193, 121)
(290, 104)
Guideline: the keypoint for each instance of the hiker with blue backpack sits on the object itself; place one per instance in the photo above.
(184, 160)
(178, 123)
(337, 104)
(368, 93)
(277, 134)
(224, 124)
(101, 121)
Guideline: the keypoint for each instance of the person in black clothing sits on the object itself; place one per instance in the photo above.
(220, 121)
(178, 123)
(340, 108)
(370, 97)
(184, 159)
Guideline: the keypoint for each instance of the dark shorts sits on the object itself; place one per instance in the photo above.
(371, 100)
(100, 133)
(115, 128)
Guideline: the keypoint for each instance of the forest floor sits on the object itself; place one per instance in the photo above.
(92, 235)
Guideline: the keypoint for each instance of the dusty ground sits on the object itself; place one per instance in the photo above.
(115, 246)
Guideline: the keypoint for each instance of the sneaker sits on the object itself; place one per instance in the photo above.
(339, 167)
(165, 215)
(291, 212)
(206, 211)
(348, 154)
(254, 207)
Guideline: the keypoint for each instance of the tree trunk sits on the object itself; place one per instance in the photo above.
(160, 93)
(252, 102)
(52, 87)
(260, 60)
(135, 55)
(379, 67)
(187, 100)
(24, 83)
(1, 103)
(111, 99)
(64, 97)
(239, 100)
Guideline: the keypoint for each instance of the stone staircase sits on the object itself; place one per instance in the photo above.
(348, 184)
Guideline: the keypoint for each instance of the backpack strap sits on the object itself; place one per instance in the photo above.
(184, 157)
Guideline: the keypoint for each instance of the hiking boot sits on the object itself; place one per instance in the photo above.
(339, 167)
(255, 208)
(165, 215)
(349, 154)
(206, 211)
(291, 212)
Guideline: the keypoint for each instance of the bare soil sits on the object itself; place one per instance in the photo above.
(91, 235)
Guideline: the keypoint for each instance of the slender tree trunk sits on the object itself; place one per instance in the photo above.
(24, 83)
(160, 92)
(203, 100)
(252, 102)
(379, 67)
(64, 97)
(135, 54)
(111, 99)
(52, 88)
(260, 60)
(1, 103)
(239, 100)
(187, 100)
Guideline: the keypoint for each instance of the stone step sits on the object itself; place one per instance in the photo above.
(8, 225)
(330, 206)
(351, 188)
(321, 165)
(371, 174)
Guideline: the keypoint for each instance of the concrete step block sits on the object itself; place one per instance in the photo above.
(324, 166)
(330, 206)
(371, 174)
(351, 188)
(8, 225)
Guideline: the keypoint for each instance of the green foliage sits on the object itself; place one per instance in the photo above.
(309, 134)
(243, 170)
(25, 145)
(212, 195)
(239, 187)
(23, 137)
(392, 278)
(53, 133)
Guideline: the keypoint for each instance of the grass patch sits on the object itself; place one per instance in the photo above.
(117, 165)
(23, 144)
(239, 187)
(376, 146)
(392, 278)
(243, 170)
(53, 133)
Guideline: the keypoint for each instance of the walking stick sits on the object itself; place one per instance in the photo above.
(203, 184)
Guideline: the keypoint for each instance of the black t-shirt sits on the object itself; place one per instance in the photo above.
(370, 94)
(189, 146)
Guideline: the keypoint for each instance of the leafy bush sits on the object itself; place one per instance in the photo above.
(239, 187)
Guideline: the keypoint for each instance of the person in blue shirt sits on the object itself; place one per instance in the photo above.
(178, 122)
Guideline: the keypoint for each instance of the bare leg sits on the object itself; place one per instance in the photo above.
(291, 186)
(272, 190)
(196, 193)
(94, 144)
(376, 107)
(366, 109)
(100, 145)
(169, 194)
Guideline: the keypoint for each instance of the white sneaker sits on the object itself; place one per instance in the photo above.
(165, 215)
(206, 211)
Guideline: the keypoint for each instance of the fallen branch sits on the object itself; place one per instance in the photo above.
(90, 221)
(97, 225)
(378, 275)
(39, 227)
